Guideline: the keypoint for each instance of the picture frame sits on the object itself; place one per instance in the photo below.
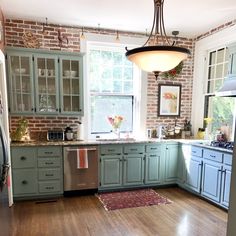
(169, 97)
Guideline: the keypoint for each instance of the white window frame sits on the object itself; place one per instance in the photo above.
(139, 125)
(202, 47)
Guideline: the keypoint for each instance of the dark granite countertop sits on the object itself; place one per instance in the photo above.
(199, 143)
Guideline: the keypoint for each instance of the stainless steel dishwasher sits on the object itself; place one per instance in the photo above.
(80, 179)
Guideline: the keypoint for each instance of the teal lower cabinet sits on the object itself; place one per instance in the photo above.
(152, 168)
(133, 169)
(225, 191)
(211, 180)
(171, 163)
(130, 165)
(193, 167)
(111, 166)
(206, 172)
(153, 164)
(24, 182)
(216, 176)
(193, 175)
(111, 171)
(37, 172)
(226, 178)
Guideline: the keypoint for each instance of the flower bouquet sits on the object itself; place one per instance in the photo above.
(115, 122)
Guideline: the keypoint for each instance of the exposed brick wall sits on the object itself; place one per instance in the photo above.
(185, 79)
(15, 29)
(39, 126)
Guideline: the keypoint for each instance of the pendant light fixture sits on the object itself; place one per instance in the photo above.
(160, 54)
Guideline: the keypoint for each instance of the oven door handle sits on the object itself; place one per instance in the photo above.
(75, 149)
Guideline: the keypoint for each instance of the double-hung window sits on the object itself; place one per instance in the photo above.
(113, 84)
(220, 109)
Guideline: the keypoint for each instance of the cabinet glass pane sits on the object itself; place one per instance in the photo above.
(46, 85)
(71, 85)
(21, 84)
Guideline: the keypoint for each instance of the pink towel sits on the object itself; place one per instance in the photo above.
(82, 158)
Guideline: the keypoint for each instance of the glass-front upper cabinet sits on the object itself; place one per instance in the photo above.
(46, 79)
(71, 85)
(20, 71)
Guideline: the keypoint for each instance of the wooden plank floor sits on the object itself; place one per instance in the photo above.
(188, 215)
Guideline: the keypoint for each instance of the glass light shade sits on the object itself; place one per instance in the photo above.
(157, 58)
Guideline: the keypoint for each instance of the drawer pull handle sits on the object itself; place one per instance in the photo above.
(49, 175)
(153, 155)
(48, 152)
(24, 182)
(212, 156)
(49, 187)
(133, 149)
(49, 163)
(23, 158)
(110, 150)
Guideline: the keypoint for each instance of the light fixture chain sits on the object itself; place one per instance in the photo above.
(163, 24)
(153, 26)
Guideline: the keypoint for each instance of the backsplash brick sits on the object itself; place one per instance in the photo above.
(39, 126)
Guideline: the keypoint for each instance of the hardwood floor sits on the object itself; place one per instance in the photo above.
(188, 215)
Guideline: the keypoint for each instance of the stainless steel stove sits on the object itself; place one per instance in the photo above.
(221, 144)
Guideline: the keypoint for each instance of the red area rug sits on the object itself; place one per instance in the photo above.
(129, 199)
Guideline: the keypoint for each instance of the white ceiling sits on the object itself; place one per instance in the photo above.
(190, 17)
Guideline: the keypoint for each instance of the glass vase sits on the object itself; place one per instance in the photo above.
(116, 131)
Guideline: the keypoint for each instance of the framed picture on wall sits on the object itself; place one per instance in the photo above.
(169, 97)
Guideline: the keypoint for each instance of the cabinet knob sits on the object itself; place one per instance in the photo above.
(24, 182)
(23, 158)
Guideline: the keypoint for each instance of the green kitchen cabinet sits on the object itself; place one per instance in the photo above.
(153, 164)
(226, 179)
(71, 84)
(111, 171)
(20, 82)
(133, 169)
(181, 167)
(133, 164)
(111, 165)
(212, 174)
(45, 82)
(24, 182)
(171, 163)
(225, 191)
(121, 165)
(193, 166)
(37, 172)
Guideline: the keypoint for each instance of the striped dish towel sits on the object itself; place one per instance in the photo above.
(82, 158)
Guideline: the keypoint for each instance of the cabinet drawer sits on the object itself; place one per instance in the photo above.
(134, 149)
(24, 182)
(49, 187)
(49, 162)
(153, 148)
(48, 174)
(111, 149)
(23, 157)
(49, 151)
(213, 155)
(196, 151)
(228, 159)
